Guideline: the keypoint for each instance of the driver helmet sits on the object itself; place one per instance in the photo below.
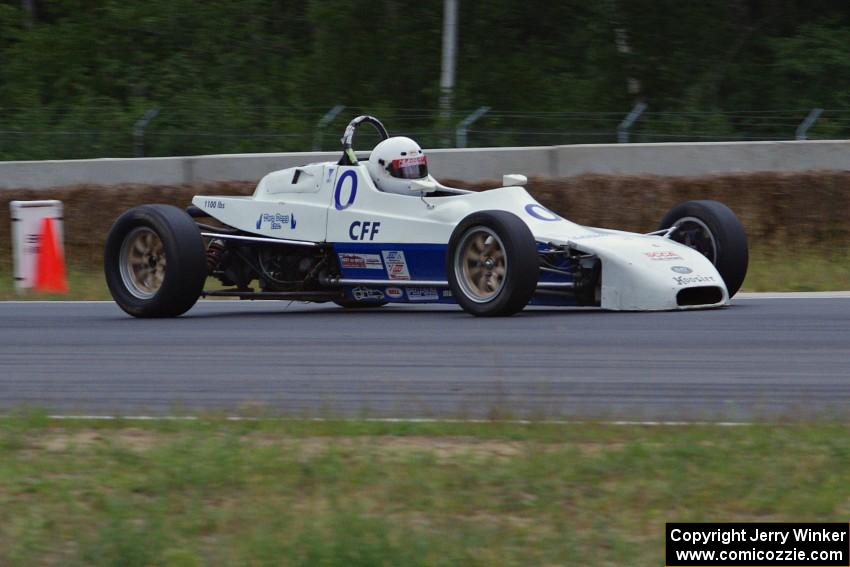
(395, 162)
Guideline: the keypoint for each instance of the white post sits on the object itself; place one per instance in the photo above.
(139, 130)
(626, 124)
(447, 75)
(810, 120)
(460, 133)
(322, 123)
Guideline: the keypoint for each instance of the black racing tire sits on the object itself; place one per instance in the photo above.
(713, 229)
(492, 264)
(155, 261)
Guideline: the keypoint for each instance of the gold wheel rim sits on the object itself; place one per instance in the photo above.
(481, 264)
(142, 263)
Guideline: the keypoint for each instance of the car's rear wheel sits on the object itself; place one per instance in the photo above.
(492, 264)
(155, 261)
(711, 228)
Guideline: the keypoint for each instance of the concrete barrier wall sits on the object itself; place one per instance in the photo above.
(679, 159)
(704, 158)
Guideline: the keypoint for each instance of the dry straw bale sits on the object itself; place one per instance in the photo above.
(791, 210)
(90, 211)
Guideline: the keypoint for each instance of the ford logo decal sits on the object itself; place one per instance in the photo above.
(681, 269)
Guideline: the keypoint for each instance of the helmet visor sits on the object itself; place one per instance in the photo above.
(409, 168)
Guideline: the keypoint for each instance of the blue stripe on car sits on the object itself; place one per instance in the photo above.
(427, 262)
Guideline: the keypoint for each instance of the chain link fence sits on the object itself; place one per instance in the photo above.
(106, 131)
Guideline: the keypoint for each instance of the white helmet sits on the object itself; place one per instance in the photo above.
(394, 162)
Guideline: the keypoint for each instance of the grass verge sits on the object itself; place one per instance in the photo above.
(83, 284)
(210, 491)
(813, 269)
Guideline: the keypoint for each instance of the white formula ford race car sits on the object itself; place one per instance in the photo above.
(363, 232)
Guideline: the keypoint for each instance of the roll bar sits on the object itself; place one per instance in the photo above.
(348, 155)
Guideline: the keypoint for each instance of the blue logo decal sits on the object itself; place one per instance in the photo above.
(276, 221)
(350, 174)
(541, 212)
(422, 294)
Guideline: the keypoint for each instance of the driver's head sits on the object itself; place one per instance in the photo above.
(395, 162)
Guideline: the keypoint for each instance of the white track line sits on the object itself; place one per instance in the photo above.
(62, 417)
(793, 295)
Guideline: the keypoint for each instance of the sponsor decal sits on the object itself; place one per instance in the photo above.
(541, 213)
(447, 293)
(686, 280)
(396, 264)
(681, 269)
(407, 162)
(422, 294)
(276, 221)
(584, 236)
(361, 293)
(361, 261)
(662, 255)
(330, 174)
(359, 230)
(338, 190)
(394, 292)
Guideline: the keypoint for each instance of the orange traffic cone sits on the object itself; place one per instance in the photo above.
(50, 266)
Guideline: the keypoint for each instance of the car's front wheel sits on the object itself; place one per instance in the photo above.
(492, 264)
(711, 228)
(155, 261)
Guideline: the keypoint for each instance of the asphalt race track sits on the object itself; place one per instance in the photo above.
(761, 357)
